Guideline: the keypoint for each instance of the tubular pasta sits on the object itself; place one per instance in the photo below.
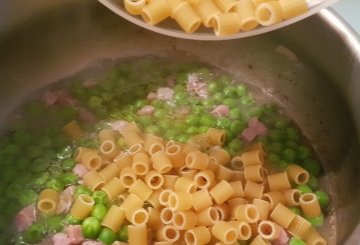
(243, 229)
(137, 148)
(208, 216)
(109, 172)
(154, 198)
(278, 182)
(164, 197)
(221, 192)
(131, 126)
(187, 18)
(204, 179)
(269, 230)
(291, 9)
(198, 235)
(223, 211)
(91, 160)
(292, 197)
(225, 232)
(257, 2)
(184, 184)
(123, 160)
(153, 144)
(219, 156)
(299, 227)
(179, 201)
(141, 163)
(238, 189)
(132, 138)
(297, 174)
(131, 202)
(282, 215)
(263, 207)
(224, 173)
(80, 153)
(73, 130)
(161, 162)
(186, 172)
(206, 9)
(166, 215)
(93, 180)
(113, 188)
(310, 205)
(185, 220)
(176, 155)
(48, 201)
(269, 13)
(107, 134)
(258, 240)
(274, 198)
(314, 238)
(114, 218)
(234, 202)
(213, 166)
(254, 173)
(215, 136)
(238, 176)
(137, 216)
(155, 12)
(190, 147)
(168, 233)
(127, 177)
(197, 160)
(225, 5)
(141, 190)
(154, 221)
(253, 190)
(247, 213)
(169, 181)
(253, 157)
(134, 6)
(137, 235)
(154, 179)
(201, 200)
(82, 207)
(226, 23)
(236, 163)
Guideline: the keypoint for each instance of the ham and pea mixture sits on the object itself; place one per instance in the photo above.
(175, 101)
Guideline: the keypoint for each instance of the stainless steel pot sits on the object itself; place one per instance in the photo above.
(42, 42)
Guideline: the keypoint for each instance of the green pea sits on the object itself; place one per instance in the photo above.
(230, 102)
(8, 173)
(55, 184)
(69, 219)
(192, 130)
(4, 140)
(152, 129)
(213, 87)
(304, 189)
(316, 221)
(292, 134)
(192, 119)
(34, 151)
(91, 227)
(277, 135)
(295, 210)
(312, 166)
(22, 137)
(100, 197)
(219, 97)
(323, 198)
(183, 138)
(157, 103)
(160, 113)
(123, 234)
(23, 163)
(230, 91)
(34, 234)
(223, 122)
(303, 152)
(99, 211)
(55, 223)
(247, 100)
(237, 126)
(235, 113)
(313, 182)
(203, 129)
(235, 145)
(296, 241)
(140, 103)
(81, 189)
(45, 142)
(291, 144)
(68, 164)
(11, 149)
(208, 120)
(180, 97)
(281, 123)
(241, 90)
(208, 103)
(289, 155)
(273, 158)
(69, 179)
(275, 147)
(107, 236)
(65, 153)
(39, 165)
(27, 197)
(41, 180)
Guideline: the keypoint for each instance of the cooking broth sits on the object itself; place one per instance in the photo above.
(179, 102)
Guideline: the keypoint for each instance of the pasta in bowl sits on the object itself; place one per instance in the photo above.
(190, 158)
(214, 19)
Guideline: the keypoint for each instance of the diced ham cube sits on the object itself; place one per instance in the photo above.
(25, 218)
(283, 239)
(61, 239)
(165, 93)
(75, 234)
(91, 242)
(248, 135)
(220, 111)
(146, 110)
(80, 170)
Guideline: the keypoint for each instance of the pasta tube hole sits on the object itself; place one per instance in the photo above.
(171, 233)
(172, 150)
(86, 199)
(140, 169)
(128, 180)
(156, 181)
(249, 25)
(155, 148)
(135, 149)
(94, 163)
(230, 236)
(245, 231)
(140, 217)
(178, 219)
(214, 214)
(302, 178)
(173, 201)
(237, 163)
(307, 198)
(166, 216)
(190, 238)
(46, 206)
(107, 146)
(266, 230)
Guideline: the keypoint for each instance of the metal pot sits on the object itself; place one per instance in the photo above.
(42, 42)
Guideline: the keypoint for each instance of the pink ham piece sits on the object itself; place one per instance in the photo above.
(151, 96)
(220, 111)
(80, 170)
(86, 115)
(283, 239)
(248, 134)
(66, 200)
(196, 86)
(118, 125)
(258, 126)
(25, 218)
(91, 242)
(146, 110)
(75, 234)
(164, 93)
(61, 239)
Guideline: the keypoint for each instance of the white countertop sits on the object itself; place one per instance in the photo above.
(350, 11)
